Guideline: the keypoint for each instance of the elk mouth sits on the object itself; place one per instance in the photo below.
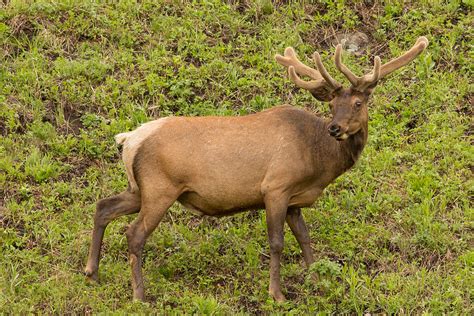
(338, 133)
(342, 137)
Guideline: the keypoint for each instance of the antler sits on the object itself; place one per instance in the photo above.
(378, 72)
(394, 64)
(322, 83)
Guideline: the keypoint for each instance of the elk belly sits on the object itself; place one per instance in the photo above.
(217, 205)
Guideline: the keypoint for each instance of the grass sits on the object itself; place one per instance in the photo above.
(393, 235)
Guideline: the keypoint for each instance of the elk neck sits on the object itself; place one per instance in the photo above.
(351, 148)
(331, 158)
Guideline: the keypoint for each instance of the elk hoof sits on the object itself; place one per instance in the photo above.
(140, 296)
(92, 276)
(277, 296)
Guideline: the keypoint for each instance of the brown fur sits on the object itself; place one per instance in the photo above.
(193, 155)
(200, 162)
(280, 159)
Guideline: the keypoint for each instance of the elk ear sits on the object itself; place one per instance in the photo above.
(323, 94)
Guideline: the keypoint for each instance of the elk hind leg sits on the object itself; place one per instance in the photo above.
(152, 211)
(295, 220)
(107, 210)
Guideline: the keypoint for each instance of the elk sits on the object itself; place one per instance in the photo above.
(279, 160)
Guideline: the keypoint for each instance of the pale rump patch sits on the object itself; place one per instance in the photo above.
(131, 141)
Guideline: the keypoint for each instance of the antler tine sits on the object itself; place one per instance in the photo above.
(290, 59)
(394, 64)
(354, 80)
(369, 79)
(307, 85)
(324, 73)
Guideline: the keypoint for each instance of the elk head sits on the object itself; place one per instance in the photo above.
(348, 105)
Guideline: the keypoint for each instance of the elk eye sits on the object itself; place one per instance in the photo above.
(358, 104)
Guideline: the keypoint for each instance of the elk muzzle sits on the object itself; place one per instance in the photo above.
(336, 131)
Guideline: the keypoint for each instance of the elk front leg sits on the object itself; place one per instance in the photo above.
(276, 213)
(295, 220)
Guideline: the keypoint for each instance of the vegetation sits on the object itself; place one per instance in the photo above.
(392, 235)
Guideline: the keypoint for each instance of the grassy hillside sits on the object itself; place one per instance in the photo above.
(392, 235)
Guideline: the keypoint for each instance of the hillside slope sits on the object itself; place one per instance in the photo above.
(392, 235)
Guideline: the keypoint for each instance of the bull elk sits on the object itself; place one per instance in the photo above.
(280, 159)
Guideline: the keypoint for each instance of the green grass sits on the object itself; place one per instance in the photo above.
(393, 235)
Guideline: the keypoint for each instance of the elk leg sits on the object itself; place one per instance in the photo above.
(295, 220)
(107, 210)
(150, 215)
(276, 213)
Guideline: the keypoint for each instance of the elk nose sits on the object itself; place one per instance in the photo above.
(334, 129)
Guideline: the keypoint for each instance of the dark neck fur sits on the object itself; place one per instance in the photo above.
(331, 157)
(353, 146)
